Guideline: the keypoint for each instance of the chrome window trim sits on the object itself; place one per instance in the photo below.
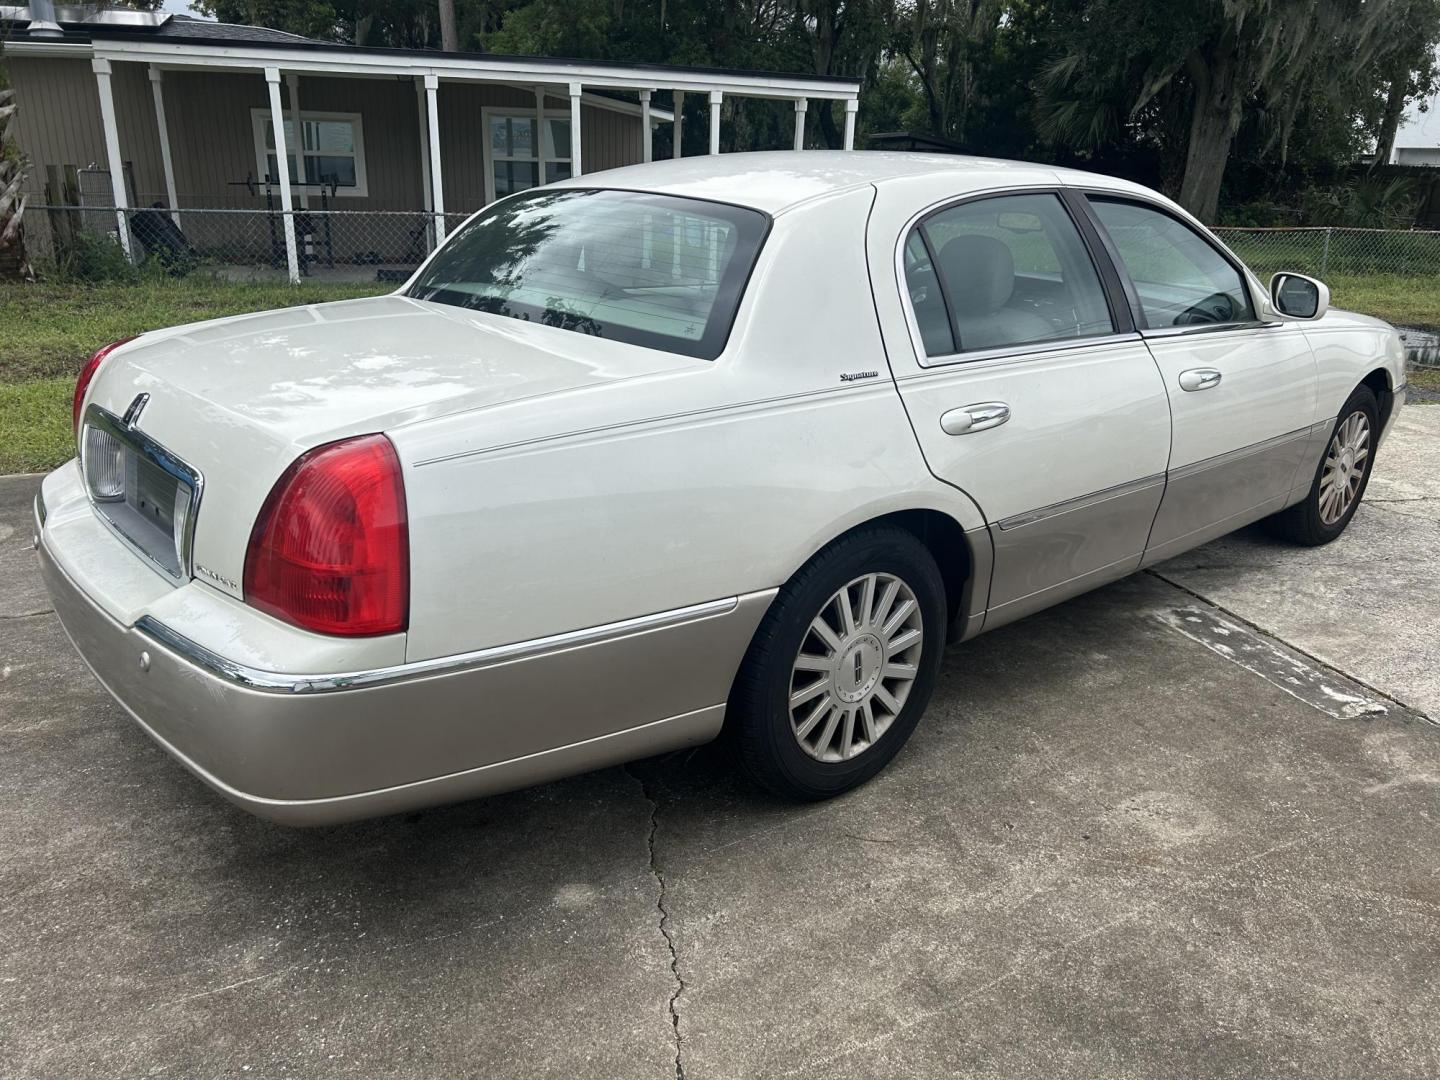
(323, 683)
(1034, 350)
(1254, 327)
(1021, 348)
(137, 441)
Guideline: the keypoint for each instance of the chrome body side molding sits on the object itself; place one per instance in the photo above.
(276, 682)
(493, 721)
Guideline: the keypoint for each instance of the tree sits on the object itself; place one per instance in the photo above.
(13, 170)
(1406, 72)
(449, 40)
(1217, 58)
(940, 40)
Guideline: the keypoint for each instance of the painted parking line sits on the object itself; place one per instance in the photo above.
(1310, 683)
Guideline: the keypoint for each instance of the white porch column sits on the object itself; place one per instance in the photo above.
(423, 127)
(679, 121)
(112, 150)
(282, 165)
(292, 87)
(538, 136)
(575, 169)
(800, 106)
(648, 149)
(715, 98)
(157, 91)
(852, 105)
(437, 181)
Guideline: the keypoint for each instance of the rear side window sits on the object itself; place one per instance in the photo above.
(650, 270)
(1181, 279)
(1010, 270)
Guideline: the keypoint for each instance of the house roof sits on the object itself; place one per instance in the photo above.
(174, 28)
(183, 31)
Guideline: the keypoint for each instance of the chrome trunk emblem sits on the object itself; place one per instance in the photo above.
(132, 414)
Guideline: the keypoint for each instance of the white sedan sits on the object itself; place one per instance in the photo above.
(736, 442)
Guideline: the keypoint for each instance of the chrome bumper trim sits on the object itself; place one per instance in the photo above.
(316, 758)
(323, 683)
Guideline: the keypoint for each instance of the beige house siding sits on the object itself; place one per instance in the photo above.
(59, 120)
(212, 144)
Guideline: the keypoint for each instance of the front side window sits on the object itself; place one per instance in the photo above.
(516, 161)
(650, 270)
(1010, 270)
(331, 148)
(1181, 279)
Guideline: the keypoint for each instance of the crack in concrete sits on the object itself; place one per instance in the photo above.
(673, 1004)
(1404, 706)
(29, 614)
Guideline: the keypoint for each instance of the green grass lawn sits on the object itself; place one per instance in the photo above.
(47, 330)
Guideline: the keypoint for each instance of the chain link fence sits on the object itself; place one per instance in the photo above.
(240, 245)
(1325, 251)
(365, 246)
(355, 244)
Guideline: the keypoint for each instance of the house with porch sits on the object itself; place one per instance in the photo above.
(172, 132)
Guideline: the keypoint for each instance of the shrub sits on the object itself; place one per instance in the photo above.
(95, 259)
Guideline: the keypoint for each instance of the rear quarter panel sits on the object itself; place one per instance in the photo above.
(579, 509)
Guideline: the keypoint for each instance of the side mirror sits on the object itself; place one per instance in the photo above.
(1299, 297)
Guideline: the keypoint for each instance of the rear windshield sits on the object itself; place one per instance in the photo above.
(645, 269)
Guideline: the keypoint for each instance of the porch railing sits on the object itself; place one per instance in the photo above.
(342, 245)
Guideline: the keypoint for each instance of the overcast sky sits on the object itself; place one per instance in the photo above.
(181, 7)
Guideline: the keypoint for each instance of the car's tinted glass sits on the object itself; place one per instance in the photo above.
(646, 269)
(1013, 270)
(1182, 280)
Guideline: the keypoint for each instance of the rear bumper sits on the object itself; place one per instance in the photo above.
(318, 749)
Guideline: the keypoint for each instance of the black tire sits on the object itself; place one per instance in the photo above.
(759, 712)
(1304, 523)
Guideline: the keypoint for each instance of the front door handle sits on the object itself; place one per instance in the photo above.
(987, 414)
(1200, 378)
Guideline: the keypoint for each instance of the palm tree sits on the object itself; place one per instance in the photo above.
(13, 170)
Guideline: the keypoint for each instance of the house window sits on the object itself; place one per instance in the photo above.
(333, 149)
(514, 163)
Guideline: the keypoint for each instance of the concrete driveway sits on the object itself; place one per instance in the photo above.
(1133, 837)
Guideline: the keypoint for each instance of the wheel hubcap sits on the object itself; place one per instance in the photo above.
(855, 668)
(1344, 469)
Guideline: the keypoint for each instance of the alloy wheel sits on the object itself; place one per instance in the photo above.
(1344, 469)
(856, 667)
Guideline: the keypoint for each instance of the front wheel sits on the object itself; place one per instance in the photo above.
(1340, 479)
(842, 666)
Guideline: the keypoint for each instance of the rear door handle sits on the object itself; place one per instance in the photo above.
(1200, 378)
(987, 414)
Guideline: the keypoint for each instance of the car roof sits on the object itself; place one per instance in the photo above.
(777, 180)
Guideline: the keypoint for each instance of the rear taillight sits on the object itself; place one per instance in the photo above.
(87, 373)
(330, 551)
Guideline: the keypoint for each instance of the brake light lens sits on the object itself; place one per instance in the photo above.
(330, 551)
(87, 373)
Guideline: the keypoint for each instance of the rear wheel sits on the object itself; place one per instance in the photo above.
(842, 666)
(1340, 479)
